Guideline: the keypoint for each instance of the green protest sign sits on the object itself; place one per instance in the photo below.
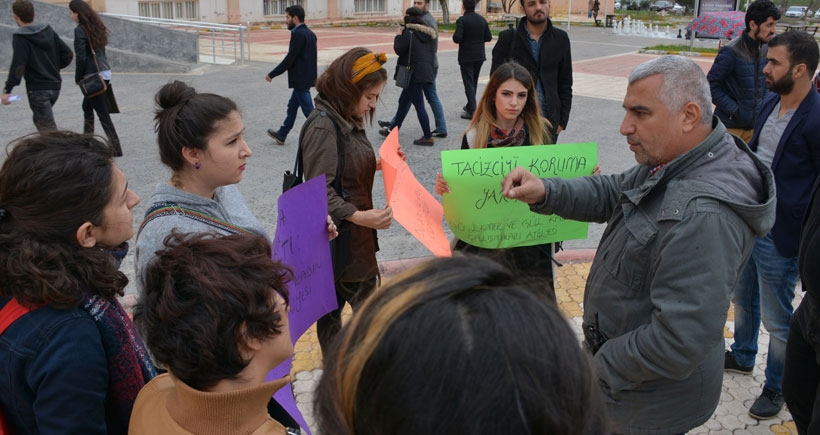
(479, 215)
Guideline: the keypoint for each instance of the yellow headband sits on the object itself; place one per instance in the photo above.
(369, 63)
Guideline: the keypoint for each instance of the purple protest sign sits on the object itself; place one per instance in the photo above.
(301, 243)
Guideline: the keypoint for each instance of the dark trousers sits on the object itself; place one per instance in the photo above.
(469, 76)
(801, 373)
(41, 103)
(298, 98)
(353, 293)
(98, 104)
(415, 94)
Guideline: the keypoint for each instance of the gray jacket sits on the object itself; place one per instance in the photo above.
(227, 205)
(663, 275)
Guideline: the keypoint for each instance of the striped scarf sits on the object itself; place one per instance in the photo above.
(129, 366)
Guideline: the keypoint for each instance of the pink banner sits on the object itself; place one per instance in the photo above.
(413, 206)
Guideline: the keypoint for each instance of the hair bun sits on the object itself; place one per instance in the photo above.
(174, 94)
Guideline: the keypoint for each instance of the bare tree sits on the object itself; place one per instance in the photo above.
(445, 12)
(507, 5)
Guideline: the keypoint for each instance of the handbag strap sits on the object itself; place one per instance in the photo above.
(298, 165)
(410, 53)
(168, 208)
(93, 53)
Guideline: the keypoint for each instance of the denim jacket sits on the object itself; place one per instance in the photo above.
(53, 373)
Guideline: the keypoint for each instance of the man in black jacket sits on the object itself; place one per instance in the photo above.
(39, 55)
(300, 63)
(471, 33)
(736, 76)
(544, 50)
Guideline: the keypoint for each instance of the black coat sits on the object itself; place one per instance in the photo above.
(84, 60)
(554, 71)
(300, 62)
(422, 58)
(471, 33)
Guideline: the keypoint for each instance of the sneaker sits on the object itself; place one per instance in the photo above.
(384, 131)
(767, 405)
(466, 115)
(730, 365)
(428, 142)
(383, 124)
(437, 134)
(275, 135)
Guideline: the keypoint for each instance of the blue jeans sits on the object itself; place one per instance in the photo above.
(435, 105)
(41, 103)
(298, 98)
(413, 95)
(767, 281)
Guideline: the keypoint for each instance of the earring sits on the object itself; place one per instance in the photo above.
(196, 165)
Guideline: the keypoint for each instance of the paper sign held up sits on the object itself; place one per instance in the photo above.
(480, 215)
(301, 243)
(413, 206)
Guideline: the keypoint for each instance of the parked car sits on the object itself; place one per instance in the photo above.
(795, 11)
(678, 9)
(617, 6)
(817, 14)
(661, 5)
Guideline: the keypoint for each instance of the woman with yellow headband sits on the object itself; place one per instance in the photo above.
(348, 92)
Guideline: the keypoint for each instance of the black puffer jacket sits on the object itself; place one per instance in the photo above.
(737, 83)
(423, 57)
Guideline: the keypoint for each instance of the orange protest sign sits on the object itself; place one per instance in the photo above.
(413, 206)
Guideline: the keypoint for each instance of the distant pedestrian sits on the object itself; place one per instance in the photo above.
(39, 55)
(429, 89)
(300, 63)
(736, 76)
(90, 39)
(544, 50)
(414, 45)
(472, 32)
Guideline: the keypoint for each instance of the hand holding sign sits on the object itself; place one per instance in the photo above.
(480, 210)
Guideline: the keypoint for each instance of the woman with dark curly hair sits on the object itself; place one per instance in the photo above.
(90, 38)
(72, 362)
(214, 312)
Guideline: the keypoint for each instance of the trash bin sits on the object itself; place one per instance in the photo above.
(608, 20)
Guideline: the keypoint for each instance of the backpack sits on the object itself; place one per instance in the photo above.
(8, 315)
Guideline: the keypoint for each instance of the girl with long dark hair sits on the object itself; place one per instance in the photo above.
(90, 39)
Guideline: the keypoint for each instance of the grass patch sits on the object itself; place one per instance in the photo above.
(678, 48)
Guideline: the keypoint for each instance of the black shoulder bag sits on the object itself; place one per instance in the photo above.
(340, 246)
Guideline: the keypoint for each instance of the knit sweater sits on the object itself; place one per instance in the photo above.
(169, 406)
(227, 205)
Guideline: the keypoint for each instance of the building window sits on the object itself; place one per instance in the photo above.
(277, 7)
(186, 10)
(365, 6)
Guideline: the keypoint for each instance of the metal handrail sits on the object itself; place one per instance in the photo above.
(236, 33)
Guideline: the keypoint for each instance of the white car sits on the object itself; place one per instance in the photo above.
(795, 11)
(817, 14)
(617, 6)
(678, 9)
